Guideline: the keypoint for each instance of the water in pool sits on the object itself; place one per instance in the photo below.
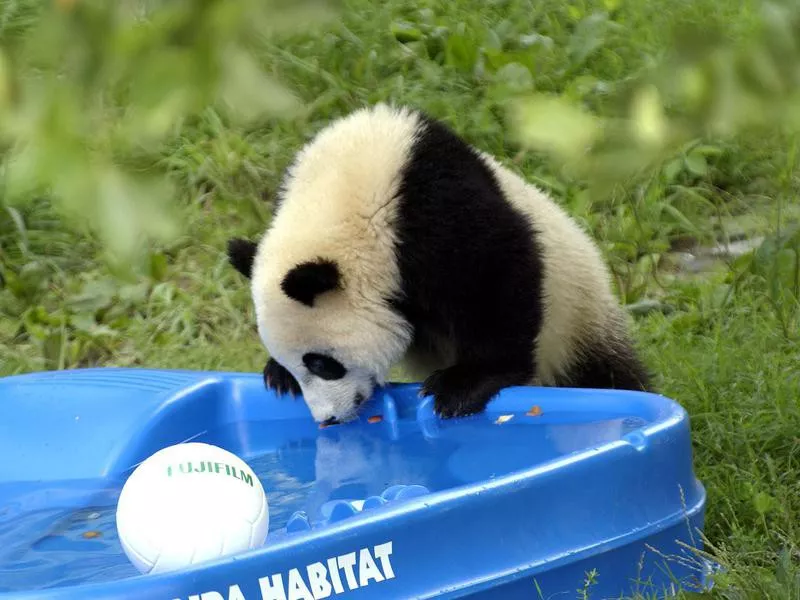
(52, 548)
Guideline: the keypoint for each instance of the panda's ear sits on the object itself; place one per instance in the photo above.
(308, 280)
(241, 254)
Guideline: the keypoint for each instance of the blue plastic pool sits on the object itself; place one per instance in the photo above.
(482, 507)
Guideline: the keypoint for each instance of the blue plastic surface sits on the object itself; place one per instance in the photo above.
(407, 507)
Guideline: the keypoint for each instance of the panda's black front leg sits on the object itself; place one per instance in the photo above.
(466, 389)
(278, 378)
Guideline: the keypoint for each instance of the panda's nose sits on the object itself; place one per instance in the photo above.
(330, 421)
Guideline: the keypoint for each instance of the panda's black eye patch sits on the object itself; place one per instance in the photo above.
(323, 366)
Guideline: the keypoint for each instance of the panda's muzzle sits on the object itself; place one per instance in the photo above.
(358, 401)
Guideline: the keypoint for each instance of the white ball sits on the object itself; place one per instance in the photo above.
(189, 503)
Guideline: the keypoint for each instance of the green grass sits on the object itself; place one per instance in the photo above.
(727, 348)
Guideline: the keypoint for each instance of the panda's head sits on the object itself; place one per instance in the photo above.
(325, 273)
(336, 342)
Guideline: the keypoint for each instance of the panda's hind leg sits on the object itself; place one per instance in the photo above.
(608, 366)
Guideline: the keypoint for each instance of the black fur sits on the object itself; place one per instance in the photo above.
(608, 365)
(308, 280)
(323, 366)
(466, 388)
(472, 271)
(241, 254)
(277, 378)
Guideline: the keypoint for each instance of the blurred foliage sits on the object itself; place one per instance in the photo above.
(91, 90)
(706, 86)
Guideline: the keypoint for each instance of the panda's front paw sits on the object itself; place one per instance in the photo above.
(277, 378)
(459, 391)
(463, 390)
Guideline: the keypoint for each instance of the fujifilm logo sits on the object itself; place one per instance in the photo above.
(212, 468)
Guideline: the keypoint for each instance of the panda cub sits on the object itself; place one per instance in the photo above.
(394, 239)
